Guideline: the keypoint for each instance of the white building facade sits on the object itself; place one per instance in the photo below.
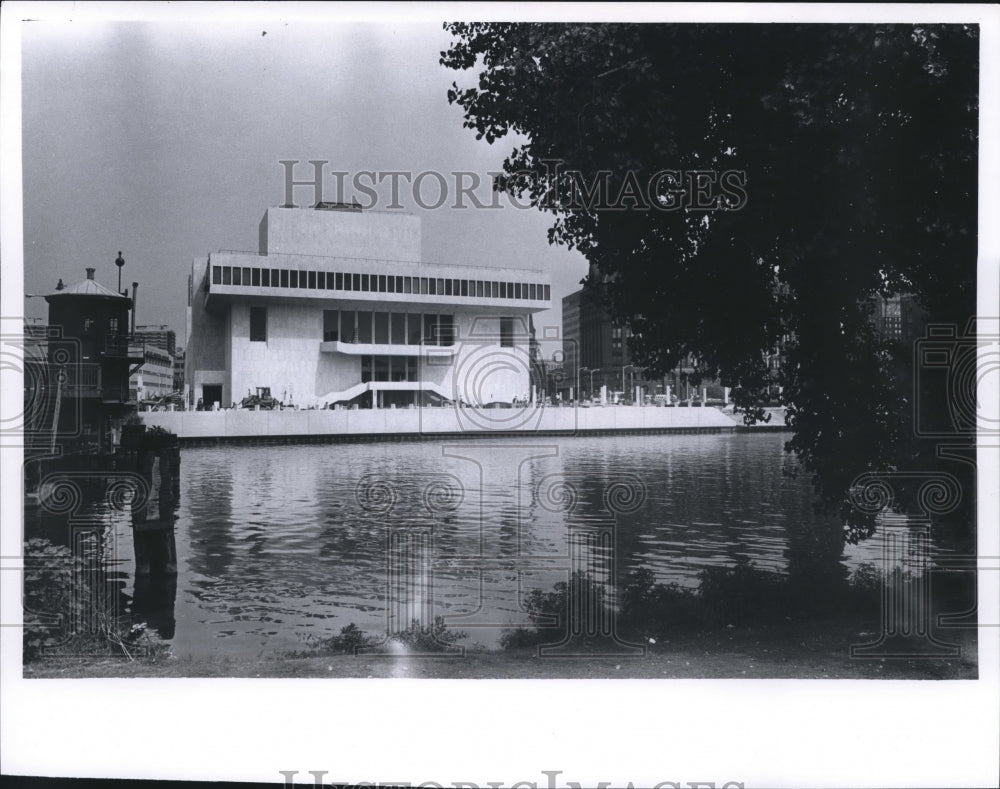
(155, 378)
(336, 308)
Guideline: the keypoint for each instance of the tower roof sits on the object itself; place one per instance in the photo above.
(87, 287)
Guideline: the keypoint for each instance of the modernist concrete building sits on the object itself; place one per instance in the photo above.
(336, 307)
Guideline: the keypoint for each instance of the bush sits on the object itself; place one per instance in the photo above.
(69, 611)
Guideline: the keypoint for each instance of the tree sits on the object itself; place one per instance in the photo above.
(859, 149)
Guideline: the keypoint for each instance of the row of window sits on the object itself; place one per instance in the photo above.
(158, 361)
(384, 328)
(378, 283)
(388, 368)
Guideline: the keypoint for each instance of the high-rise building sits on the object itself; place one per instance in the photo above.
(179, 370)
(158, 336)
(596, 354)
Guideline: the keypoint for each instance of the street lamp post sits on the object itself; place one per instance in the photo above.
(120, 262)
(624, 368)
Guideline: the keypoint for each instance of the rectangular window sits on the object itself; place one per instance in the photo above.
(294, 278)
(112, 325)
(432, 283)
(411, 368)
(447, 287)
(532, 292)
(340, 282)
(381, 368)
(446, 329)
(355, 282)
(302, 279)
(255, 277)
(391, 283)
(366, 369)
(364, 326)
(407, 284)
(364, 282)
(227, 275)
(331, 281)
(423, 285)
(216, 275)
(495, 290)
(507, 332)
(331, 325)
(546, 292)
(237, 275)
(246, 275)
(399, 284)
(464, 287)
(440, 289)
(397, 328)
(284, 278)
(265, 277)
(397, 368)
(456, 286)
(312, 280)
(348, 326)
(382, 328)
(274, 278)
(258, 324)
(479, 288)
(381, 283)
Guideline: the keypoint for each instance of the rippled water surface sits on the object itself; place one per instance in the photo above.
(278, 544)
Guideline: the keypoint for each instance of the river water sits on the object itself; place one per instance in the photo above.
(281, 545)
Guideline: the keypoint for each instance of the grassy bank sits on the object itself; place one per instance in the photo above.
(768, 652)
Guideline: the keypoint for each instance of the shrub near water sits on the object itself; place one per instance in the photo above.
(739, 595)
(68, 611)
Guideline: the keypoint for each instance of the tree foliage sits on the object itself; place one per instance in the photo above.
(859, 144)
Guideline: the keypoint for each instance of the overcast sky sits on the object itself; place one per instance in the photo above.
(163, 140)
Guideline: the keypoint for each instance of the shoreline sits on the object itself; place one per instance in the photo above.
(822, 651)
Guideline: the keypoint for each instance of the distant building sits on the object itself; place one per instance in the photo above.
(900, 317)
(157, 336)
(155, 378)
(336, 307)
(596, 354)
(179, 370)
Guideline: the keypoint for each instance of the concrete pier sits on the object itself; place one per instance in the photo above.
(236, 425)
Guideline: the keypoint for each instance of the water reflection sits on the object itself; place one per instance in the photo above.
(278, 544)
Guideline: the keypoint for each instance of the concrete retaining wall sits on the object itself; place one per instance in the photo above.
(239, 424)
